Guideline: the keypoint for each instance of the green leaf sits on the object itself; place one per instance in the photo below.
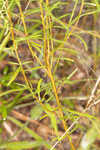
(21, 145)
(11, 91)
(14, 76)
(38, 87)
(36, 112)
(3, 111)
(53, 118)
(4, 42)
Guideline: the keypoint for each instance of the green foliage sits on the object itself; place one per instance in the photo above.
(21, 145)
(49, 60)
(36, 112)
(3, 112)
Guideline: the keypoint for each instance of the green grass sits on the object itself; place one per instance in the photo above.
(49, 69)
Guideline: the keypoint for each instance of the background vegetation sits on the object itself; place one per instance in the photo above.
(49, 74)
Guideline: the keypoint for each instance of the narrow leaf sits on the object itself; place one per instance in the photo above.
(14, 76)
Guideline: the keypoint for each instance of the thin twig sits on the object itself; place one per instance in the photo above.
(93, 91)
